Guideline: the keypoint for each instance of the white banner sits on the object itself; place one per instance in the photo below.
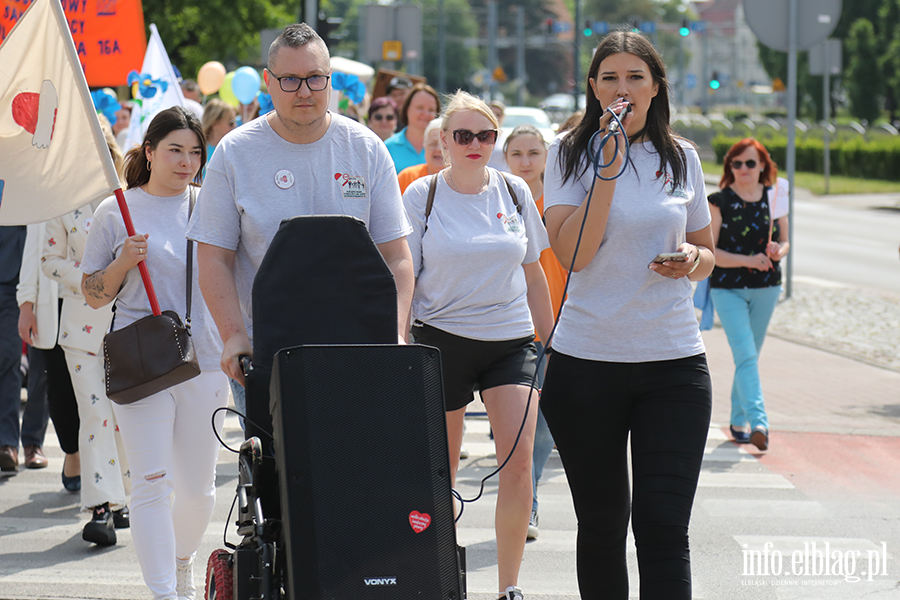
(53, 157)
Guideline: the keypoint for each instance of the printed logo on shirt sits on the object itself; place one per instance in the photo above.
(352, 186)
(511, 224)
(87, 224)
(669, 183)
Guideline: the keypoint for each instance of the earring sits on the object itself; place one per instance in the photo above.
(149, 168)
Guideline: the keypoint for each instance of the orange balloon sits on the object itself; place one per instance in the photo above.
(210, 77)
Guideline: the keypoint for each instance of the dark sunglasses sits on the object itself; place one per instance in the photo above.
(388, 117)
(464, 137)
(737, 164)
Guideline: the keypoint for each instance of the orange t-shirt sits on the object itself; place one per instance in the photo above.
(556, 274)
(410, 174)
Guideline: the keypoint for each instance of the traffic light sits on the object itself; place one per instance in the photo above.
(327, 29)
(685, 28)
(714, 82)
(549, 24)
(588, 29)
(635, 26)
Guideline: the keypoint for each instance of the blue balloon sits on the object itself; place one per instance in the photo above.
(245, 84)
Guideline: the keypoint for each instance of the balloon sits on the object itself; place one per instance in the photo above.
(245, 84)
(226, 94)
(210, 77)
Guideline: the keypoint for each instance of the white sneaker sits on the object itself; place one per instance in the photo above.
(184, 579)
(463, 453)
(512, 593)
(533, 526)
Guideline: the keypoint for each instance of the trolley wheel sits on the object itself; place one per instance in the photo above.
(219, 578)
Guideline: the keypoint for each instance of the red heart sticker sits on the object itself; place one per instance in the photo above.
(337, 176)
(25, 110)
(419, 521)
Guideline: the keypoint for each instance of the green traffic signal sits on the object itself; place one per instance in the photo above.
(685, 29)
(588, 30)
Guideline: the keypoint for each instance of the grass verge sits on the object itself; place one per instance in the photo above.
(838, 184)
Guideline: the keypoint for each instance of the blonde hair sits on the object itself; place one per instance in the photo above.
(463, 101)
(114, 150)
(213, 112)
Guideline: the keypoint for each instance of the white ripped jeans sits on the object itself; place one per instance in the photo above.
(171, 448)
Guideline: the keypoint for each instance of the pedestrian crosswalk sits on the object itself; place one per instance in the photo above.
(744, 515)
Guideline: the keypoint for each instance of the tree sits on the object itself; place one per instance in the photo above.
(197, 31)
(889, 52)
(863, 89)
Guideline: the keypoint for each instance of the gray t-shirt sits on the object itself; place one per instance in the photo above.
(165, 219)
(256, 179)
(617, 309)
(468, 264)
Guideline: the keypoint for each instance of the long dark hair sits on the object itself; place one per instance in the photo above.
(573, 147)
(164, 123)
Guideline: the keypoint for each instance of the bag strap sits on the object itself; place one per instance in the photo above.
(430, 202)
(190, 262)
(771, 202)
(512, 193)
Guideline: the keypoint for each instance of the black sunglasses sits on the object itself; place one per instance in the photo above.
(464, 137)
(387, 117)
(737, 164)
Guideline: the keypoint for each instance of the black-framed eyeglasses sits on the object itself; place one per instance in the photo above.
(737, 164)
(315, 83)
(387, 117)
(464, 137)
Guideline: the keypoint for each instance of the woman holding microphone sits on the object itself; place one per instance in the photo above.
(628, 357)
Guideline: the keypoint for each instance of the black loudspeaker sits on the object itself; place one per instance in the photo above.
(361, 448)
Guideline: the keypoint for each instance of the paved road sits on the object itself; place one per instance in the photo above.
(831, 477)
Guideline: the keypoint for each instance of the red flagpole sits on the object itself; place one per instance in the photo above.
(145, 274)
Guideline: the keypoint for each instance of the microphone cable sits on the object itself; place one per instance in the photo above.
(605, 135)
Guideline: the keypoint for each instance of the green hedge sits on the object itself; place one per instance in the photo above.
(874, 159)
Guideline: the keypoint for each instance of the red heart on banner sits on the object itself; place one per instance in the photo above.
(419, 521)
(25, 110)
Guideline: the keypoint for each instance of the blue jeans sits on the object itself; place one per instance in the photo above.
(543, 440)
(745, 316)
(239, 394)
(10, 364)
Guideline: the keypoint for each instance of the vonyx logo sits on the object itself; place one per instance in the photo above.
(381, 581)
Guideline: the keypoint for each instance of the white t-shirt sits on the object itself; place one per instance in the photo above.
(617, 309)
(256, 179)
(468, 264)
(165, 219)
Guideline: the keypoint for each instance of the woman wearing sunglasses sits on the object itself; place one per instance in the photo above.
(382, 117)
(751, 239)
(480, 294)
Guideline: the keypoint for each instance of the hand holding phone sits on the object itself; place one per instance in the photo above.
(670, 256)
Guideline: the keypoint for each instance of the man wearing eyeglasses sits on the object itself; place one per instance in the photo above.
(300, 159)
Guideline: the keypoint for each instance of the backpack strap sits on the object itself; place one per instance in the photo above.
(512, 193)
(432, 184)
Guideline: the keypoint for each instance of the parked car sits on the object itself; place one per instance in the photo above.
(519, 115)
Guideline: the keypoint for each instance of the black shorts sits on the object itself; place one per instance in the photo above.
(466, 363)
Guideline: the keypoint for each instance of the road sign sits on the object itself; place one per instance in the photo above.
(698, 26)
(770, 19)
(600, 27)
(391, 50)
(648, 27)
(690, 81)
(826, 55)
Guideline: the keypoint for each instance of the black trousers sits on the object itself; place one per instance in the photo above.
(61, 399)
(591, 407)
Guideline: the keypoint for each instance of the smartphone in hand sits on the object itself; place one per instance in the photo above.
(670, 256)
